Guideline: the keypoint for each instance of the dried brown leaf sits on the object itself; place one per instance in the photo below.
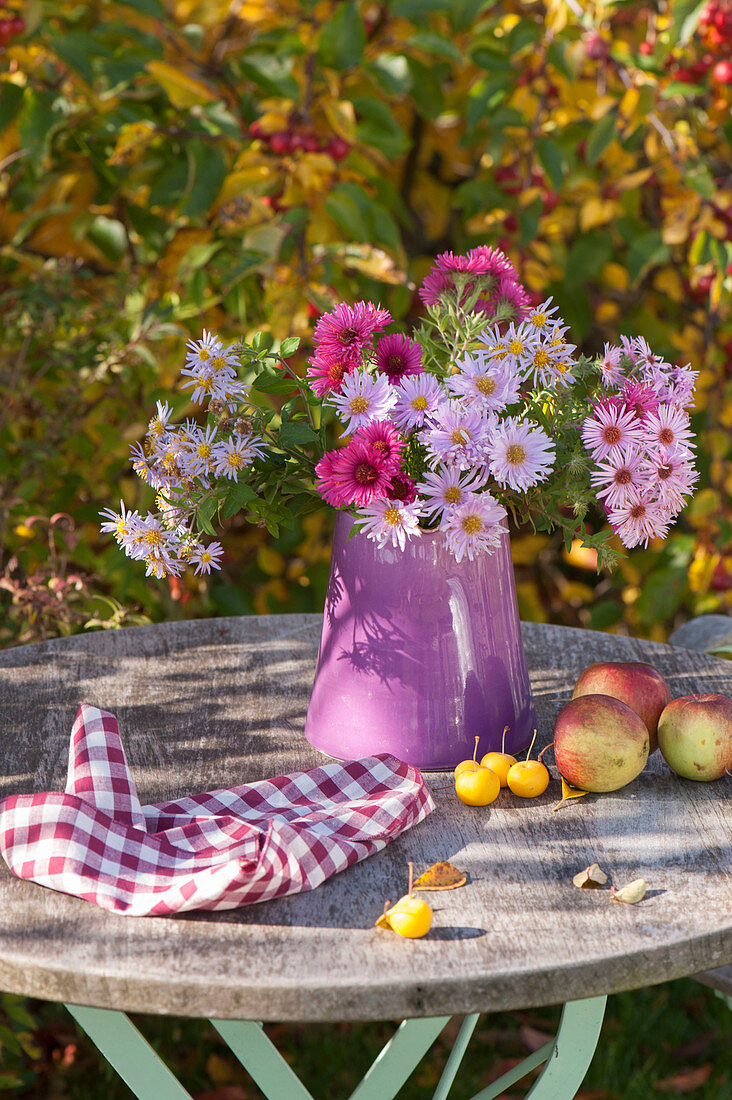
(592, 878)
(630, 894)
(441, 876)
(686, 1080)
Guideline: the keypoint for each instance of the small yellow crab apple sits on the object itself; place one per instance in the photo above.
(499, 762)
(528, 778)
(474, 784)
(409, 917)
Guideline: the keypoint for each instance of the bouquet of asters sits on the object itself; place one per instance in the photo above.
(485, 408)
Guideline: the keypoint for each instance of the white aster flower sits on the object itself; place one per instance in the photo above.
(522, 454)
(198, 457)
(146, 466)
(363, 398)
(475, 526)
(540, 318)
(159, 424)
(515, 346)
(234, 455)
(460, 435)
(417, 397)
(446, 487)
(205, 558)
(120, 524)
(390, 521)
(484, 382)
(200, 352)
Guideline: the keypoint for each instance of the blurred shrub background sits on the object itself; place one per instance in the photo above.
(169, 165)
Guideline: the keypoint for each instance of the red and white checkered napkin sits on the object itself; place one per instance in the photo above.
(210, 851)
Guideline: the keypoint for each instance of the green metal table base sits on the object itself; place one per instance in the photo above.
(566, 1057)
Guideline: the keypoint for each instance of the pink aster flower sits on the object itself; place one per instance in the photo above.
(613, 480)
(612, 373)
(384, 440)
(639, 519)
(359, 474)
(522, 454)
(397, 356)
(475, 526)
(362, 399)
(610, 431)
(668, 426)
(327, 371)
(639, 399)
(417, 397)
(673, 476)
(389, 521)
(347, 330)
(459, 437)
(403, 489)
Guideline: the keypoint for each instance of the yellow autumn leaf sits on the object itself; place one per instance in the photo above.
(679, 211)
(441, 876)
(568, 793)
(182, 90)
(615, 276)
(597, 211)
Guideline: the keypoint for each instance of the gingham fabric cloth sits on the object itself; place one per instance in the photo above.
(217, 850)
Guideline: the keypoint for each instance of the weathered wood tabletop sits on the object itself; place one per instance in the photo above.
(220, 702)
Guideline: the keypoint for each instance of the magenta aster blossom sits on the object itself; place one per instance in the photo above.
(397, 356)
(475, 526)
(360, 474)
(390, 522)
(484, 263)
(403, 489)
(639, 519)
(668, 426)
(639, 399)
(327, 371)
(610, 431)
(347, 330)
(613, 480)
(384, 440)
(327, 483)
(522, 454)
(509, 301)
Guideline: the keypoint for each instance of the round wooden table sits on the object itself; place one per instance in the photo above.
(220, 702)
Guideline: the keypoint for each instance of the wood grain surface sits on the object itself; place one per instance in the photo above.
(219, 702)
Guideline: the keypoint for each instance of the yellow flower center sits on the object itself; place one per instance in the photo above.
(153, 539)
(458, 436)
(540, 358)
(204, 451)
(235, 460)
(485, 385)
(205, 381)
(203, 355)
(453, 495)
(561, 367)
(516, 347)
(472, 524)
(538, 320)
(156, 426)
(205, 557)
(419, 403)
(359, 404)
(515, 454)
(218, 362)
(392, 516)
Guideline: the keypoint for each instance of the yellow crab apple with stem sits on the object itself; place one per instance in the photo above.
(528, 778)
(474, 784)
(499, 762)
(410, 916)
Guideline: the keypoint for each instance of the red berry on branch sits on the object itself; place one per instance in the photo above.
(280, 142)
(510, 223)
(255, 129)
(596, 48)
(646, 48)
(722, 72)
(337, 148)
(18, 24)
(310, 143)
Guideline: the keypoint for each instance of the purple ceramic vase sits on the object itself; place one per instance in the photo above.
(419, 654)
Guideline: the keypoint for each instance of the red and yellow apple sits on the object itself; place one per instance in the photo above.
(636, 684)
(600, 744)
(695, 736)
